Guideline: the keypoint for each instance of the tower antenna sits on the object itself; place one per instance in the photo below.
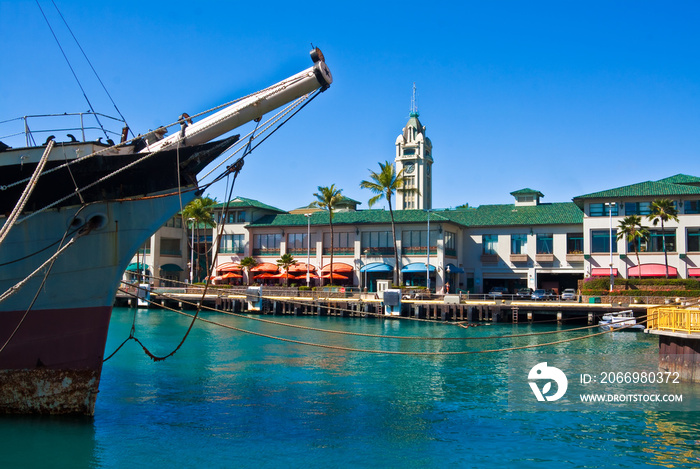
(414, 103)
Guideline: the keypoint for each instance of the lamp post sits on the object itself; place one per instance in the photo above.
(610, 206)
(308, 248)
(427, 263)
(191, 251)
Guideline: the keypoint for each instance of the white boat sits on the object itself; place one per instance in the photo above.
(620, 321)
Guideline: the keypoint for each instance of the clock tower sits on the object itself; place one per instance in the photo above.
(414, 155)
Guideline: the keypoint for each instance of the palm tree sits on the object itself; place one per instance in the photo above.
(384, 184)
(327, 199)
(285, 262)
(631, 229)
(200, 210)
(663, 210)
(248, 263)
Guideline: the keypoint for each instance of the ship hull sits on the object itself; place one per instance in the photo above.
(53, 363)
(54, 328)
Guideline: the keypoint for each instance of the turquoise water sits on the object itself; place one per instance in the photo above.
(228, 399)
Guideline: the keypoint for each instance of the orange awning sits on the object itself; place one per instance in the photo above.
(337, 267)
(264, 267)
(652, 270)
(231, 275)
(335, 276)
(693, 272)
(300, 267)
(602, 272)
(228, 267)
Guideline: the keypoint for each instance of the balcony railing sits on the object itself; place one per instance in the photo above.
(171, 252)
(266, 252)
(489, 258)
(574, 257)
(343, 251)
(519, 258)
(300, 251)
(234, 250)
(544, 257)
(378, 251)
(419, 250)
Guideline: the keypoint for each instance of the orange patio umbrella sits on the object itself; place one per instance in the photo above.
(303, 276)
(231, 275)
(263, 276)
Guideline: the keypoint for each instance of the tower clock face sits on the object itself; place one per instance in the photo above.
(408, 168)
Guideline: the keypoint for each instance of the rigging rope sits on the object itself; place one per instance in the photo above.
(10, 221)
(71, 69)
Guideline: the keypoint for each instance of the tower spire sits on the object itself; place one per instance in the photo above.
(414, 103)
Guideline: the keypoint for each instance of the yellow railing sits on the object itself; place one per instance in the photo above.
(674, 319)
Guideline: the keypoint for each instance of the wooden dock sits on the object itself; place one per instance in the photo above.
(448, 308)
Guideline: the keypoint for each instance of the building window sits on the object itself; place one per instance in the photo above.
(693, 242)
(656, 241)
(146, 248)
(174, 222)
(377, 243)
(234, 216)
(691, 207)
(637, 208)
(518, 244)
(602, 210)
(574, 243)
(266, 244)
(414, 242)
(409, 182)
(232, 244)
(342, 244)
(449, 239)
(296, 244)
(170, 247)
(490, 244)
(545, 243)
(600, 241)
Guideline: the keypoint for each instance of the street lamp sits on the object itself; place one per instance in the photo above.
(308, 248)
(192, 251)
(610, 206)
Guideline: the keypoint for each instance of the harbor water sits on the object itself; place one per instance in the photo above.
(233, 399)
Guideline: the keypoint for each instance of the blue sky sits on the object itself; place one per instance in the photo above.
(563, 97)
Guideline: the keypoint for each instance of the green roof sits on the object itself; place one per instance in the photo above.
(563, 213)
(527, 191)
(642, 189)
(486, 215)
(242, 202)
(681, 179)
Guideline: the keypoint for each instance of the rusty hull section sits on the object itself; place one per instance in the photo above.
(47, 391)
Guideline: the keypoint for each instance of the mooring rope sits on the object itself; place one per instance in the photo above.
(374, 351)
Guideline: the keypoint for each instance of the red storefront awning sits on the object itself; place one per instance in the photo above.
(602, 272)
(652, 270)
(693, 272)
